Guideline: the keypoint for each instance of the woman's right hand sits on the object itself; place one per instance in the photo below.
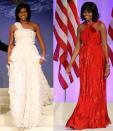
(9, 61)
(68, 69)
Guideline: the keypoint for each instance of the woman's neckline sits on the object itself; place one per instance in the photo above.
(91, 23)
(90, 26)
(25, 28)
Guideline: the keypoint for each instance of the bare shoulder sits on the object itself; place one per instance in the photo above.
(80, 27)
(35, 26)
(12, 28)
(101, 26)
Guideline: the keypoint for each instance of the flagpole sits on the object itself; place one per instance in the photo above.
(65, 95)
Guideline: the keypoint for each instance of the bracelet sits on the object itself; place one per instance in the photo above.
(43, 58)
(107, 64)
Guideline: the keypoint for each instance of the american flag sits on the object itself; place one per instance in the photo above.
(65, 28)
(110, 38)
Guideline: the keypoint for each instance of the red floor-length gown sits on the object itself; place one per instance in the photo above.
(91, 109)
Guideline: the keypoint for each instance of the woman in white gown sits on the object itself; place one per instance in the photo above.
(28, 88)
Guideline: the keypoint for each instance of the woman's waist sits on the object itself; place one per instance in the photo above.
(24, 48)
(91, 44)
(92, 47)
(25, 43)
(23, 52)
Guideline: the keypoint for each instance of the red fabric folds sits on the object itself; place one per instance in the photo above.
(91, 109)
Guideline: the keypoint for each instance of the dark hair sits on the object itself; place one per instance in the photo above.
(90, 7)
(21, 6)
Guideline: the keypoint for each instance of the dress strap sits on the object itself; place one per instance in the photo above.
(18, 25)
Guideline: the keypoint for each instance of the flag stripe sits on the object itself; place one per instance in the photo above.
(71, 30)
(65, 26)
(60, 32)
(61, 24)
(72, 5)
(110, 54)
(110, 31)
(112, 13)
(62, 80)
(62, 15)
(62, 7)
(62, 45)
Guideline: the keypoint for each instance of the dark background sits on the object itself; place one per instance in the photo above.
(42, 13)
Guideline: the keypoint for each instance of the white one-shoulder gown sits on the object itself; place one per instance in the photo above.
(28, 88)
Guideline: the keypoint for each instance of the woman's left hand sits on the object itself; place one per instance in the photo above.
(42, 60)
(107, 72)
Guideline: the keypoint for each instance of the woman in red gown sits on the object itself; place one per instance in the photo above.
(91, 109)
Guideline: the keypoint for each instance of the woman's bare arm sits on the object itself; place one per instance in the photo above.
(105, 49)
(104, 41)
(77, 47)
(40, 40)
(11, 41)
